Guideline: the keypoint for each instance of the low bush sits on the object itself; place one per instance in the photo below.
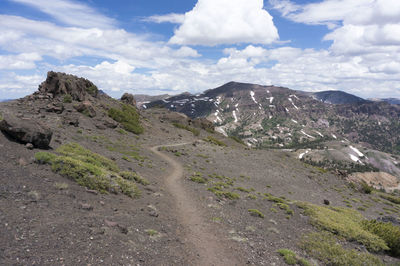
(215, 141)
(346, 223)
(256, 213)
(129, 118)
(195, 131)
(325, 247)
(132, 176)
(44, 157)
(67, 99)
(388, 232)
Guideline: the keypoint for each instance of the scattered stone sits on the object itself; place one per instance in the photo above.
(57, 108)
(22, 162)
(326, 202)
(71, 120)
(26, 131)
(152, 211)
(29, 146)
(86, 206)
(92, 191)
(110, 223)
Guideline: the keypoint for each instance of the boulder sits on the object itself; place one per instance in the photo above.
(85, 108)
(128, 99)
(26, 131)
(61, 84)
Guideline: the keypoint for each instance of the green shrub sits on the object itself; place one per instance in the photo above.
(390, 198)
(388, 232)
(132, 176)
(127, 187)
(215, 141)
(80, 153)
(365, 188)
(195, 131)
(237, 139)
(128, 116)
(67, 98)
(44, 157)
(344, 222)
(324, 246)
(227, 195)
(92, 90)
(255, 212)
(198, 178)
(288, 255)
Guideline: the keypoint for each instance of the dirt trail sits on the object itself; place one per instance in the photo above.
(211, 250)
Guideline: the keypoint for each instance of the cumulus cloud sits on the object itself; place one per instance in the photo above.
(214, 22)
(20, 61)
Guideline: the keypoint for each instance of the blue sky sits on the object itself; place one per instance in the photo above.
(155, 46)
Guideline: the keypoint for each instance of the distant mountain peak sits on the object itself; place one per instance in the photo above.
(338, 97)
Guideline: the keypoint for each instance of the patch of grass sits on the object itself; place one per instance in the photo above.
(251, 196)
(285, 207)
(198, 178)
(88, 169)
(128, 116)
(127, 187)
(132, 176)
(67, 98)
(344, 222)
(126, 158)
(256, 213)
(79, 131)
(391, 198)
(122, 131)
(92, 90)
(227, 195)
(238, 140)
(324, 246)
(79, 153)
(195, 131)
(388, 232)
(365, 188)
(61, 186)
(242, 189)
(202, 156)
(44, 157)
(151, 232)
(291, 258)
(215, 141)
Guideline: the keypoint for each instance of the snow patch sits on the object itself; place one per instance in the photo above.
(354, 158)
(302, 154)
(333, 136)
(319, 133)
(221, 130)
(294, 121)
(252, 96)
(302, 131)
(357, 151)
(234, 116)
(290, 99)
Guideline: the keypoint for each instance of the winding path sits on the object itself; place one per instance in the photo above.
(210, 248)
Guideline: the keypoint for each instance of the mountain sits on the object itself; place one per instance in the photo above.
(337, 97)
(88, 179)
(5, 100)
(142, 99)
(388, 100)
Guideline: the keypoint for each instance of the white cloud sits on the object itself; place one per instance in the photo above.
(20, 61)
(71, 13)
(214, 22)
(170, 18)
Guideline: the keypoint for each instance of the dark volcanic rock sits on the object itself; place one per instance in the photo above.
(61, 84)
(203, 124)
(26, 131)
(128, 99)
(86, 108)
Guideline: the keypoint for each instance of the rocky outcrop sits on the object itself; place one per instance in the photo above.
(85, 108)
(62, 84)
(128, 99)
(26, 131)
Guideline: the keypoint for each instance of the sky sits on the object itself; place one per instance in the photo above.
(157, 46)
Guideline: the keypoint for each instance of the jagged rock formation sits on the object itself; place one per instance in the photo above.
(128, 99)
(63, 84)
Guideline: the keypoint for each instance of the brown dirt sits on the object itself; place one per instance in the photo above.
(211, 250)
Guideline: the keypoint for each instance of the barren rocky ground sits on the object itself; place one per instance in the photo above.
(208, 200)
